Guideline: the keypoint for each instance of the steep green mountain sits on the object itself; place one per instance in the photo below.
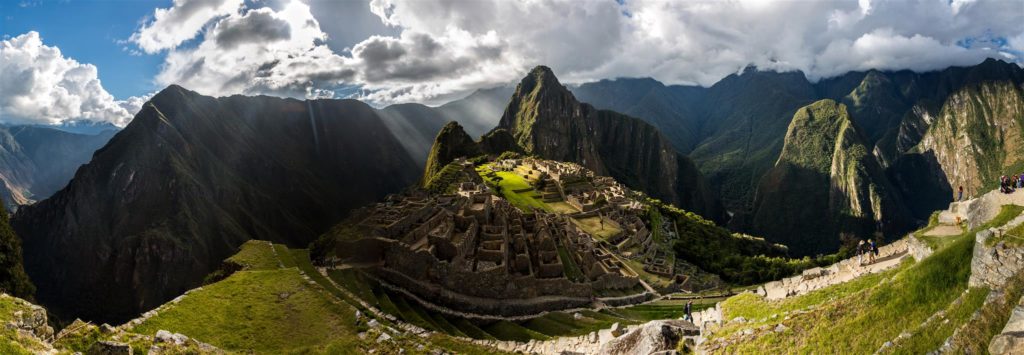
(189, 180)
(36, 161)
(827, 172)
(739, 123)
(745, 120)
(975, 134)
(546, 120)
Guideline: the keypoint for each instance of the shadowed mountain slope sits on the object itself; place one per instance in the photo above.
(188, 181)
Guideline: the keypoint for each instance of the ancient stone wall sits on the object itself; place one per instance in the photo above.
(846, 270)
(992, 265)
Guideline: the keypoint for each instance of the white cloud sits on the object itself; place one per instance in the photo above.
(39, 85)
(434, 51)
(170, 27)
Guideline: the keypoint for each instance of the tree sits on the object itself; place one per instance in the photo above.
(13, 279)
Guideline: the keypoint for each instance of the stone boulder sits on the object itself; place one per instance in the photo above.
(651, 337)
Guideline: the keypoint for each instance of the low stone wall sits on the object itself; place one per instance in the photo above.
(843, 271)
(708, 317)
(992, 266)
(500, 307)
(978, 211)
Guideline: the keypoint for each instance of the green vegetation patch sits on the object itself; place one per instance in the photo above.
(858, 316)
(505, 330)
(978, 332)
(256, 255)
(601, 228)
(507, 183)
(265, 311)
(930, 337)
(572, 271)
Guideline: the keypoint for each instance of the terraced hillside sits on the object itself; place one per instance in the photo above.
(277, 303)
(917, 307)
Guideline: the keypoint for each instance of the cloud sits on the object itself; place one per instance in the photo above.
(434, 51)
(255, 27)
(170, 27)
(38, 85)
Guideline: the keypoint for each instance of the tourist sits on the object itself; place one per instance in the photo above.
(689, 307)
(871, 251)
(874, 249)
(860, 253)
(960, 196)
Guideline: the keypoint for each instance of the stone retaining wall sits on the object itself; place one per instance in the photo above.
(992, 266)
(846, 270)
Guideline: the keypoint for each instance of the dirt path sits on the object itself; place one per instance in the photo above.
(944, 230)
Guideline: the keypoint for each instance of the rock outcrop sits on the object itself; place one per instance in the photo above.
(652, 337)
(994, 264)
(828, 172)
(189, 180)
(1011, 339)
(546, 120)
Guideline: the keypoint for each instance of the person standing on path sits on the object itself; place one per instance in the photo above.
(860, 253)
(960, 196)
(688, 308)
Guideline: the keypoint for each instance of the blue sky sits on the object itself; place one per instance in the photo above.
(434, 51)
(88, 31)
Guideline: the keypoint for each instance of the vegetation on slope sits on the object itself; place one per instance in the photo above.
(826, 170)
(861, 315)
(13, 279)
(739, 259)
(269, 307)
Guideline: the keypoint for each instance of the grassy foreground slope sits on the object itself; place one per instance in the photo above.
(862, 315)
(269, 307)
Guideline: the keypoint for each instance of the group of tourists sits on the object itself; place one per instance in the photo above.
(1008, 184)
(869, 249)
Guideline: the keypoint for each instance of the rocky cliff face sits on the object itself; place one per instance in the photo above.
(188, 181)
(977, 135)
(546, 120)
(826, 169)
(37, 161)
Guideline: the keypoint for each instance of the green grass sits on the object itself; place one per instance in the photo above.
(562, 207)
(754, 307)
(286, 257)
(869, 311)
(931, 337)
(265, 311)
(354, 282)
(593, 226)
(572, 271)
(255, 255)
(1006, 213)
(978, 332)
(470, 329)
(508, 184)
(505, 330)
(1013, 237)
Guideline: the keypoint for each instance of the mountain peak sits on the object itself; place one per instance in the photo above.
(541, 78)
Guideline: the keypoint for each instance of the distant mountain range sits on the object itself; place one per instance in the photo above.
(36, 161)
